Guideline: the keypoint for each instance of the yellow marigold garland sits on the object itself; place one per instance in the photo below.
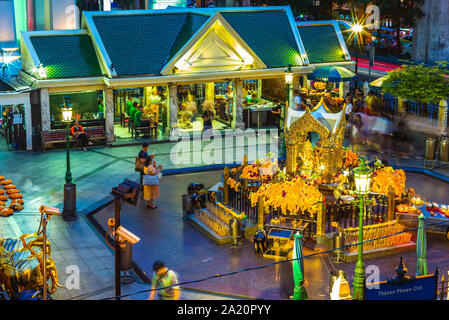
(386, 177)
(294, 196)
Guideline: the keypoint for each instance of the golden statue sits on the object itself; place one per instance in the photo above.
(324, 159)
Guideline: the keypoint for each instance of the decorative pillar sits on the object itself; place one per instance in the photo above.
(173, 106)
(28, 124)
(45, 109)
(209, 91)
(400, 105)
(391, 204)
(345, 88)
(108, 99)
(260, 213)
(259, 88)
(442, 116)
(291, 157)
(320, 225)
(238, 123)
(225, 186)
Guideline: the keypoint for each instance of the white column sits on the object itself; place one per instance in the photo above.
(28, 125)
(173, 107)
(45, 109)
(238, 123)
(108, 99)
(259, 88)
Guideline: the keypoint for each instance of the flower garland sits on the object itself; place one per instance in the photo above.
(292, 196)
(386, 177)
(233, 184)
(350, 159)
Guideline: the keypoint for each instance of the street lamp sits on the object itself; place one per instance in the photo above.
(289, 86)
(69, 212)
(316, 4)
(356, 29)
(362, 177)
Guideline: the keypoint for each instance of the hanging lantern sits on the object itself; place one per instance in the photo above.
(66, 114)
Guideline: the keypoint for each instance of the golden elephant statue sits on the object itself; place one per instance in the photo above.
(21, 264)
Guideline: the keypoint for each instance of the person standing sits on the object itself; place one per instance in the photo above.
(163, 277)
(296, 100)
(129, 104)
(100, 109)
(348, 110)
(208, 116)
(276, 113)
(151, 189)
(132, 111)
(140, 160)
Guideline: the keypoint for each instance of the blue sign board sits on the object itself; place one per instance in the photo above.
(419, 288)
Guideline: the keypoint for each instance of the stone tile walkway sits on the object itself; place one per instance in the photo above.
(40, 177)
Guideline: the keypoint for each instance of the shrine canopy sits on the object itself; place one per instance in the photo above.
(320, 113)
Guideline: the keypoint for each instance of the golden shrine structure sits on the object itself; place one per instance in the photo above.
(301, 158)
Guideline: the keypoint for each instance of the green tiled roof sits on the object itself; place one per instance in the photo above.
(321, 43)
(268, 33)
(67, 56)
(5, 87)
(141, 44)
(193, 23)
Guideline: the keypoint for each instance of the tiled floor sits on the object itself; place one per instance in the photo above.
(40, 177)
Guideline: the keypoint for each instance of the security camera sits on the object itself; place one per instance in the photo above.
(50, 210)
(127, 235)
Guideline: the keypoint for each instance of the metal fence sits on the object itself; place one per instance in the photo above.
(443, 288)
(347, 214)
(424, 111)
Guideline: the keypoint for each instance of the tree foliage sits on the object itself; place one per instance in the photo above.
(418, 82)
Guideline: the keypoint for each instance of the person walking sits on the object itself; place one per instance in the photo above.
(162, 278)
(151, 182)
(296, 100)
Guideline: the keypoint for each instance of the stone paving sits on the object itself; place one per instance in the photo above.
(40, 177)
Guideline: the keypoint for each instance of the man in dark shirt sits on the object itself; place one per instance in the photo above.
(208, 116)
(276, 113)
(143, 155)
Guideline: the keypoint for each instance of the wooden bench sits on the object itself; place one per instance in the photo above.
(152, 130)
(50, 138)
(95, 134)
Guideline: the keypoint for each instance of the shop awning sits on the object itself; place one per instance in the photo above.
(332, 74)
